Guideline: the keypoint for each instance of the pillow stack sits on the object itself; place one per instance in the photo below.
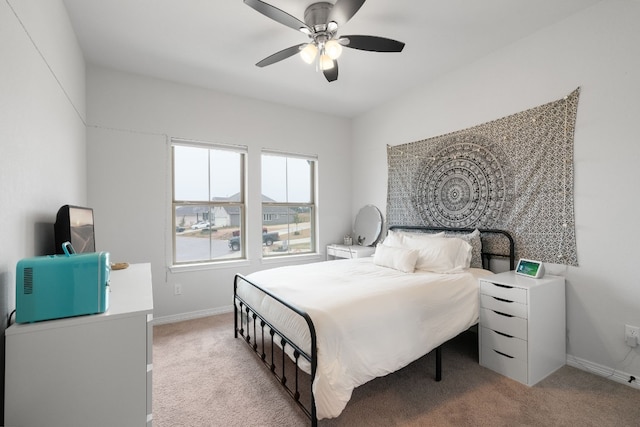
(426, 252)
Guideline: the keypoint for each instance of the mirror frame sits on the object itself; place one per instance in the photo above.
(367, 226)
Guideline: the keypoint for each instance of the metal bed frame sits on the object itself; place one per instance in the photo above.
(251, 325)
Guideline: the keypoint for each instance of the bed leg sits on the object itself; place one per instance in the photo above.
(235, 320)
(438, 363)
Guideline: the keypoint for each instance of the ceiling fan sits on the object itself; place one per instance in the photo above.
(321, 22)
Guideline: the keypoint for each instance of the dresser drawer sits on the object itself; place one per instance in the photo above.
(510, 325)
(504, 364)
(508, 293)
(503, 305)
(511, 346)
(149, 390)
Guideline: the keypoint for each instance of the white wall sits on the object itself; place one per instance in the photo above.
(599, 51)
(42, 134)
(131, 119)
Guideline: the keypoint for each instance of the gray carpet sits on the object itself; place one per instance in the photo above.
(202, 376)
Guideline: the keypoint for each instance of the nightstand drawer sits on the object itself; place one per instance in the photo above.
(503, 306)
(504, 364)
(509, 293)
(339, 252)
(511, 346)
(354, 251)
(510, 325)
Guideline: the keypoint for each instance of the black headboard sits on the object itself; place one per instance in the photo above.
(495, 243)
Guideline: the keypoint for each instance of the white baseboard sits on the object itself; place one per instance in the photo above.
(603, 371)
(191, 315)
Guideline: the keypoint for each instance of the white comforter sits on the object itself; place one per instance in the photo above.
(369, 320)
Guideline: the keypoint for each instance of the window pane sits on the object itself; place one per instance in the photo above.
(298, 180)
(286, 179)
(226, 167)
(274, 178)
(190, 173)
(287, 230)
(207, 233)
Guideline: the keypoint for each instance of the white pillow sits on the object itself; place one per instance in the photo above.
(440, 254)
(396, 258)
(396, 238)
(475, 241)
(393, 239)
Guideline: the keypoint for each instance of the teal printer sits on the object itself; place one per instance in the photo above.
(57, 286)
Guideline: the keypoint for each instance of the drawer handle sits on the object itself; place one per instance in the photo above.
(503, 334)
(502, 286)
(502, 354)
(502, 300)
(502, 314)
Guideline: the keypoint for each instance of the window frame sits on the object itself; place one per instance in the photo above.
(311, 205)
(241, 204)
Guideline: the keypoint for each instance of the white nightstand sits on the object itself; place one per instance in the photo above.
(344, 251)
(522, 325)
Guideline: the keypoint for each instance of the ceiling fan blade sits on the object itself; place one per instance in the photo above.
(344, 10)
(279, 56)
(332, 74)
(372, 43)
(276, 14)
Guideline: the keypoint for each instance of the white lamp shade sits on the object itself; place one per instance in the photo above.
(333, 49)
(308, 53)
(326, 63)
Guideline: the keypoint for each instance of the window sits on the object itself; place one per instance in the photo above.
(288, 204)
(208, 202)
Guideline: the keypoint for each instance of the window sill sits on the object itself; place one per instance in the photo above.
(288, 259)
(183, 268)
(280, 260)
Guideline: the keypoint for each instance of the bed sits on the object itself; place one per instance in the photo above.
(342, 323)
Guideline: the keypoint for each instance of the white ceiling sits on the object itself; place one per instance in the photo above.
(216, 43)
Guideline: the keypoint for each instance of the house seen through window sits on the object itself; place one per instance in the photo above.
(208, 202)
(288, 204)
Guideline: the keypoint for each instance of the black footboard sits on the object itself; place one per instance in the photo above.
(251, 325)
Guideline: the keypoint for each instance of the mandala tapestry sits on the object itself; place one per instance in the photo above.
(514, 173)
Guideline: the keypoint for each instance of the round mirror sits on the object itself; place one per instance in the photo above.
(368, 226)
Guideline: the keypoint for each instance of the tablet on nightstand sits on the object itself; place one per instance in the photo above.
(530, 268)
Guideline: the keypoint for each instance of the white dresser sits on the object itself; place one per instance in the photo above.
(522, 325)
(89, 370)
(353, 251)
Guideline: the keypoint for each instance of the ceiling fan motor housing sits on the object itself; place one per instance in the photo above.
(316, 15)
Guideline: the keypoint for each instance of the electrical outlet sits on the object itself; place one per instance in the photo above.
(177, 289)
(631, 335)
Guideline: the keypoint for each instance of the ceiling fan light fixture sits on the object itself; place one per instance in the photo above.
(326, 63)
(309, 53)
(333, 49)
